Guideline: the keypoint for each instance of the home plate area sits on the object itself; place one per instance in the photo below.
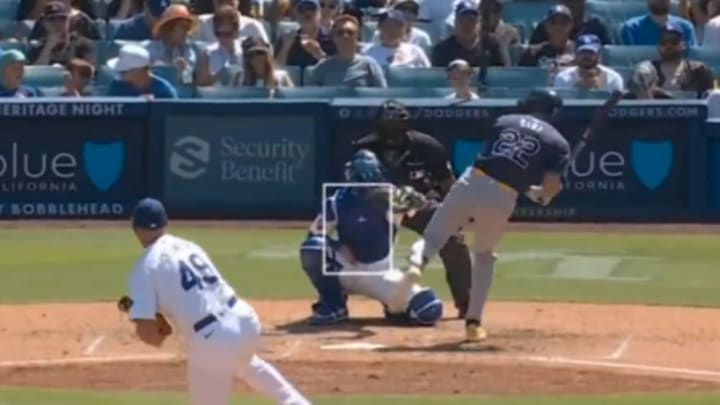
(534, 348)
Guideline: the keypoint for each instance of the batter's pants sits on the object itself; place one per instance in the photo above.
(455, 257)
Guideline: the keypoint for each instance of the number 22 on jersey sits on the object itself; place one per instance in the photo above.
(196, 273)
(515, 146)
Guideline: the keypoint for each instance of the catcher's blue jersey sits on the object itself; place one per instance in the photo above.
(361, 226)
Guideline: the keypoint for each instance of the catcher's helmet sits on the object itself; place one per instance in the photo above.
(542, 102)
(364, 167)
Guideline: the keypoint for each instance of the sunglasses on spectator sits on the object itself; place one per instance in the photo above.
(328, 6)
(344, 32)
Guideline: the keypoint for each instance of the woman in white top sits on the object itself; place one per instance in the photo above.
(171, 45)
(392, 50)
(259, 68)
(246, 26)
(225, 52)
(459, 74)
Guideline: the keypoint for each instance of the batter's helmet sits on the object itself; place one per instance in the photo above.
(364, 167)
(542, 102)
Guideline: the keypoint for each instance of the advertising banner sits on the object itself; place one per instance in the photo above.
(240, 161)
(71, 159)
(637, 168)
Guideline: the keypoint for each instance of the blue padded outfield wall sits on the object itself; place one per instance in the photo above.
(268, 159)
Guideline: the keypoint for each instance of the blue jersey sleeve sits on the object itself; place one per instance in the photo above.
(330, 218)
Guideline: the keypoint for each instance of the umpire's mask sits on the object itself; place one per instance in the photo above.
(393, 123)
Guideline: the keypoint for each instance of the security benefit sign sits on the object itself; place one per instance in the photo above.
(63, 167)
(239, 161)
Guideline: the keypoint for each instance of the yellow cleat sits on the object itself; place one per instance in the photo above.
(474, 333)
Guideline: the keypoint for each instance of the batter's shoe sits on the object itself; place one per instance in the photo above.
(402, 292)
(474, 333)
(323, 315)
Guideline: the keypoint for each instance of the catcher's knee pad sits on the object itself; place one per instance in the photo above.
(425, 308)
(311, 260)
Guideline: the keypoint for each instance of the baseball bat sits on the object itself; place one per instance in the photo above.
(602, 114)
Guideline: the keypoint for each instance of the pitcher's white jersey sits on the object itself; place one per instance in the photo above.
(177, 278)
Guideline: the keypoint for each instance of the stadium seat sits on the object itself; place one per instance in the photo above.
(684, 95)
(625, 71)
(313, 92)
(7, 45)
(8, 28)
(104, 75)
(708, 55)
(523, 10)
(620, 10)
(582, 94)
(396, 92)
(184, 91)
(412, 77)
(621, 55)
(102, 27)
(44, 76)
(167, 72)
(518, 76)
(51, 91)
(295, 73)
(232, 92)
(8, 9)
(285, 27)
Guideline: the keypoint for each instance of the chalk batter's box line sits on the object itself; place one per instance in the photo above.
(369, 273)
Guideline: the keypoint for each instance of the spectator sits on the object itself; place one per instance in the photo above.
(172, 44)
(59, 44)
(505, 33)
(347, 68)
(582, 24)
(79, 75)
(259, 68)
(466, 43)
(644, 84)
(140, 26)
(392, 50)
(123, 9)
(279, 10)
(558, 50)
(12, 72)
(225, 51)
(589, 74)
(310, 43)
(33, 9)
(675, 71)
(646, 29)
(460, 74)
(440, 12)
(250, 8)
(136, 78)
(711, 30)
(413, 35)
(329, 9)
(79, 23)
(246, 26)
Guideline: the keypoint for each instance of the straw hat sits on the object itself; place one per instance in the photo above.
(173, 13)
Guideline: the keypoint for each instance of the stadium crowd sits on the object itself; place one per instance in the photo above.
(651, 49)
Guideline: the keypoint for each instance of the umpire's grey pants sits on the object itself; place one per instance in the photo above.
(481, 204)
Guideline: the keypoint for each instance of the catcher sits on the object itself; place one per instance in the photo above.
(176, 277)
(365, 230)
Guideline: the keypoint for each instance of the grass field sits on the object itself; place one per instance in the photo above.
(50, 265)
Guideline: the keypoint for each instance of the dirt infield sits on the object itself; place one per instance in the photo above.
(534, 349)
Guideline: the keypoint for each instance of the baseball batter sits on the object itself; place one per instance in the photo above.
(361, 219)
(175, 279)
(525, 155)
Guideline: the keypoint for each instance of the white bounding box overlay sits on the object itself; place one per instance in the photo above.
(357, 272)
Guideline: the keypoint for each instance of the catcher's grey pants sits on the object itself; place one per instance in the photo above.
(481, 204)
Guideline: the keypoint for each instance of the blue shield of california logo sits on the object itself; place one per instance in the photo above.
(651, 161)
(464, 153)
(103, 163)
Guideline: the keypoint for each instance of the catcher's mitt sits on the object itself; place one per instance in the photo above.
(125, 303)
(404, 199)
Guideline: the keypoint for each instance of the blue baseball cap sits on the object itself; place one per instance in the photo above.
(393, 15)
(588, 42)
(157, 7)
(314, 3)
(559, 9)
(466, 7)
(150, 214)
(672, 28)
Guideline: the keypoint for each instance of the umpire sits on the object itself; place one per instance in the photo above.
(416, 159)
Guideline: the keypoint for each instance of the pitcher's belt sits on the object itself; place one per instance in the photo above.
(504, 187)
(210, 319)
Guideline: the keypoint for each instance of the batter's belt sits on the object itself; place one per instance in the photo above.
(502, 186)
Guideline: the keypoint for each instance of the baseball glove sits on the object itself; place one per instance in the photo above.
(404, 199)
(125, 303)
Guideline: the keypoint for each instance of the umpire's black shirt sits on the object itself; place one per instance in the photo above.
(421, 163)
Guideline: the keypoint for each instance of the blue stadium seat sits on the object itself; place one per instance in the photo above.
(51, 91)
(102, 27)
(167, 72)
(625, 71)
(523, 10)
(7, 45)
(8, 9)
(8, 28)
(518, 76)
(396, 92)
(684, 95)
(112, 26)
(368, 30)
(44, 76)
(184, 91)
(104, 75)
(621, 55)
(567, 93)
(295, 73)
(102, 52)
(313, 92)
(411, 77)
(708, 55)
(232, 92)
(617, 10)
(515, 52)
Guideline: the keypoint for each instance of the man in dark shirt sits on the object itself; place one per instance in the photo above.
(558, 50)
(419, 160)
(582, 24)
(524, 155)
(309, 44)
(139, 27)
(59, 45)
(466, 43)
